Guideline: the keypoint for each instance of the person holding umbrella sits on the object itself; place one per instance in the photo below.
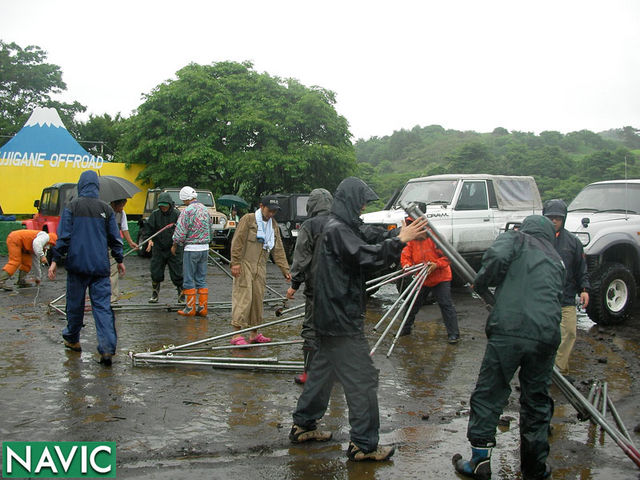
(123, 225)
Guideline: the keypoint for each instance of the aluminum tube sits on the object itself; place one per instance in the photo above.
(603, 402)
(240, 366)
(617, 437)
(398, 300)
(413, 292)
(394, 273)
(226, 335)
(240, 347)
(616, 417)
(208, 359)
(463, 266)
(401, 274)
(406, 315)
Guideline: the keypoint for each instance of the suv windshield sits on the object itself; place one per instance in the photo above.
(612, 197)
(439, 191)
(204, 198)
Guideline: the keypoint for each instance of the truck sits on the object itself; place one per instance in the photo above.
(469, 210)
(605, 216)
(222, 230)
(50, 206)
(293, 211)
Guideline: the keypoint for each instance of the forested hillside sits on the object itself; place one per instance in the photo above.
(561, 163)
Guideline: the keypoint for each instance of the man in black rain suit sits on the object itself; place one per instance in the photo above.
(318, 209)
(523, 331)
(342, 257)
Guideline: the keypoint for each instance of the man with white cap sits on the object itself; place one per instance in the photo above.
(193, 231)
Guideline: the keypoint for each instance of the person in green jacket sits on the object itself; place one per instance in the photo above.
(160, 247)
(523, 331)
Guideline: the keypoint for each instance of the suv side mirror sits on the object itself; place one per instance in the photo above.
(36, 203)
(585, 222)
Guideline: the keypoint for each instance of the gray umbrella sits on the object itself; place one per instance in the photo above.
(116, 188)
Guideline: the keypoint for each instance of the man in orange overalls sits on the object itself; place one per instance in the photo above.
(22, 246)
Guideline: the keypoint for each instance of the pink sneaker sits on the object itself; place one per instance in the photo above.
(260, 339)
(239, 341)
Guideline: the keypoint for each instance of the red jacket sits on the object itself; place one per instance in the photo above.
(423, 251)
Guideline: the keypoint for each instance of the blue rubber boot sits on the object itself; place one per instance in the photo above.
(479, 467)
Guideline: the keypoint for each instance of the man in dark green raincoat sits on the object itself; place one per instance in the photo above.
(160, 246)
(523, 331)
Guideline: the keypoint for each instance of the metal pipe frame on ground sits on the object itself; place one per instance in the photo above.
(223, 336)
(573, 396)
(274, 367)
(240, 347)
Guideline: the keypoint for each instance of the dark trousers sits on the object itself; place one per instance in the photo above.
(308, 333)
(503, 356)
(100, 295)
(160, 259)
(347, 360)
(442, 294)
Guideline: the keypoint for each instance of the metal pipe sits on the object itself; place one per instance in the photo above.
(395, 274)
(226, 335)
(408, 312)
(400, 274)
(215, 359)
(404, 293)
(617, 437)
(616, 417)
(603, 403)
(240, 347)
(276, 367)
(413, 291)
(465, 269)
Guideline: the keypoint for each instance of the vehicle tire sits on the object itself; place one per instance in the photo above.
(142, 238)
(613, 291)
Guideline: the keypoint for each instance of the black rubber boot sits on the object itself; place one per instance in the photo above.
(155, 291)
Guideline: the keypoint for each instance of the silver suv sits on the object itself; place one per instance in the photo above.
(605, 216)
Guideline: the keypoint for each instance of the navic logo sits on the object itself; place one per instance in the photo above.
(59, 459)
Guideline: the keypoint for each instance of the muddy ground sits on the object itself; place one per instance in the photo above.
(199, 422)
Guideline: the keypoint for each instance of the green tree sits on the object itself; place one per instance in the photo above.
(99, 135)
(26, 82)
(226, 127)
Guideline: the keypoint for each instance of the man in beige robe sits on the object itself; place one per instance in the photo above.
(256, 236)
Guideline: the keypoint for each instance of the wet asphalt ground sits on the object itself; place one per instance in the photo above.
(182, 421)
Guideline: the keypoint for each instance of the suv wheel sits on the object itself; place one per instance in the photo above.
(613, 290)
(141, 238)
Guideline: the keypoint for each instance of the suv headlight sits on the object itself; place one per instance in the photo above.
(223, 221)
(584, 238)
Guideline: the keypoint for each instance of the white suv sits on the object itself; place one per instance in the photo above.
(605, 216)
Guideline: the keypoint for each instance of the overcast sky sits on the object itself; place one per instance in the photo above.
(467, 65)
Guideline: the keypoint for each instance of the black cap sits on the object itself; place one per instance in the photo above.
(272, 202)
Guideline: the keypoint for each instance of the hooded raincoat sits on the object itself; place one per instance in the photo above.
(523, 333)
(341, 260)
(86, 232)
(161, 251)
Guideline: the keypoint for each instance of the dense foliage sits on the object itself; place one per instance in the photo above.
(561, 164)
(233, 130)
(26, 82)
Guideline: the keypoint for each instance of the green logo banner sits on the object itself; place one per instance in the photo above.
(59, 459)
